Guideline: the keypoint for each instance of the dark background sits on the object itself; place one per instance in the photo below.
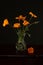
(11, 9)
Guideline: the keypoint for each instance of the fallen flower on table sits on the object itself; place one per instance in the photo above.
(30, 50)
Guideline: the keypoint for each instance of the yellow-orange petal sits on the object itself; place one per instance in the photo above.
(17, 18)
(20, 16)
(5, 22)
(16, 25)
(31, 50)
(35, 16)
(25, 23)
(31, 14)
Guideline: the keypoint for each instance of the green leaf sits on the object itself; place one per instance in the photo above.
(36, 22)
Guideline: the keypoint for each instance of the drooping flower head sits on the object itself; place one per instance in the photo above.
(33, 15)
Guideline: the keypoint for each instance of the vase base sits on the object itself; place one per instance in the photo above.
(20, 47)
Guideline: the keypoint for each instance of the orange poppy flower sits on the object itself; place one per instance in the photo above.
(5, 22)
(33, 15)
(16, 25)
(20, 18)
(25, 23)
(30, 50)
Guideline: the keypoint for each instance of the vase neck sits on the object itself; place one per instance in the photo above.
(20, 39)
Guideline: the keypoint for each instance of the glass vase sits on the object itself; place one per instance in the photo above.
(20, 45)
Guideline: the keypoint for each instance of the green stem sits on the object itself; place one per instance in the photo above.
(21, 43)
(30, 18)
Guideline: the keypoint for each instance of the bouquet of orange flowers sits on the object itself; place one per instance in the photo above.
(21, 29)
